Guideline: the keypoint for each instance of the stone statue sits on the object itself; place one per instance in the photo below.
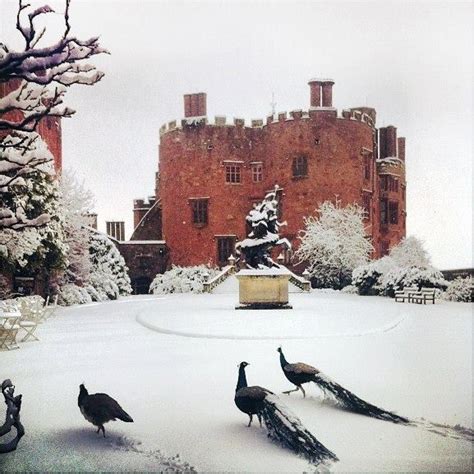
(264, 236)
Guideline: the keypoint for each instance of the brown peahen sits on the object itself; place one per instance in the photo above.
(100, 408)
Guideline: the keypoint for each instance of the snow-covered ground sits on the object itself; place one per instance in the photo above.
(171, 362)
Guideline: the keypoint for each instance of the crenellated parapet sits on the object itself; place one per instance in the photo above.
(192, 123)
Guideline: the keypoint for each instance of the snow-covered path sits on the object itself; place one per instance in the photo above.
(415, 360)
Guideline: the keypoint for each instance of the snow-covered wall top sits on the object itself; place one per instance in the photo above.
(298, 114)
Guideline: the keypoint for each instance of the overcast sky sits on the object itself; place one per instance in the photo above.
(412, 61)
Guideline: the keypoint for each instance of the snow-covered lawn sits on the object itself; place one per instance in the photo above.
(171, 362)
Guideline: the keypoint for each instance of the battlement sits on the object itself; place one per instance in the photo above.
(320, 102)
(280, 117)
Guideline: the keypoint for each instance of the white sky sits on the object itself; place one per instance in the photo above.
(412, 61)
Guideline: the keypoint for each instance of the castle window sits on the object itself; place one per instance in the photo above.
(384, 182)
(384, 247)
(300, 167)
(393, 184)
(383, 211)
(199, 209)
(367, 204)
(393, 212)
(225, 248)
(257, 172)
(233, 174)
(367, 166)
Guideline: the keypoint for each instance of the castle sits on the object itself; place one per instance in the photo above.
(210, 175)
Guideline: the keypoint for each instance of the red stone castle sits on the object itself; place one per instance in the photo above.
(210, 175)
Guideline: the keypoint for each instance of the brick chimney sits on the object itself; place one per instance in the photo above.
(195, 105)
(315, 92)
(401, 148)
(116, 230)
(326, 88)
(321, 92)
(391, 141)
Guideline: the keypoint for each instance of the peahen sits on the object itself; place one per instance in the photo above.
(300, 373)
(99, 408)
(282, 425)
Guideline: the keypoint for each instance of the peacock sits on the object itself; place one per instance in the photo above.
(282, 425)
(99, 408)
(300, 373)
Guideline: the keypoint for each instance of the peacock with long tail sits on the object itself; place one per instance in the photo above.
(300, 373)
(282, 425)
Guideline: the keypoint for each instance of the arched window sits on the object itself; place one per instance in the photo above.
(300, 167)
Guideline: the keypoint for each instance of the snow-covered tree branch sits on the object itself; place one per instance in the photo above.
(40, 74)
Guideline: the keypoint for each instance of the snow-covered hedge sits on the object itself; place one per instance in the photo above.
(460, 289)
(72, 294)
(399, 278)
(109, 274)
(182, 280)
(350, 290)
(368, 278)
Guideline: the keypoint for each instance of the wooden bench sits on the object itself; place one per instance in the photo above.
(413, 295)
(406, 294)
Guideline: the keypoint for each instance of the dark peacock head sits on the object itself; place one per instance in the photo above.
(244, 364)
(82, 388)
(279, 350)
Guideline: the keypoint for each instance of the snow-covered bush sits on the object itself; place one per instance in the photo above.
(399, 278)
(410, 252)
(368, 278)
(182, 280)
(72, 294)
(109, 273)
(460, 289)
(350, 290)
(32, 236)
(333, 244)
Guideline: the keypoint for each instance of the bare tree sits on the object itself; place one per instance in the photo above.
(12, 419)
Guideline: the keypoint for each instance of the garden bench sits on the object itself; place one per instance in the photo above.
(413, 295)
(406, 294)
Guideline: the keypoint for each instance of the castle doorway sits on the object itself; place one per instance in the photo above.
(141, 285)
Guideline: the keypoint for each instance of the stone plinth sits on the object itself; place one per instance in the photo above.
(263, 289)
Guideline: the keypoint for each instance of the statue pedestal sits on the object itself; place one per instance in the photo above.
(263, 289)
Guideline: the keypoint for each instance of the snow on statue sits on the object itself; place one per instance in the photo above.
(265, 232)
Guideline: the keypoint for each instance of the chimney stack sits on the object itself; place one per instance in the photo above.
(401, 148)
(195, 105)
(321, 92)
(315, 92)
(326, 87)
(116, 230)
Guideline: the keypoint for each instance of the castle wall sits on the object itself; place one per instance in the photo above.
(49, 127)
(193, 160)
